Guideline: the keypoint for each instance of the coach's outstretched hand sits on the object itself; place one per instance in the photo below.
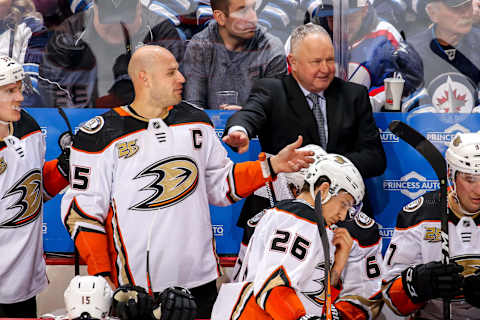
(289, 159)
(238, 140)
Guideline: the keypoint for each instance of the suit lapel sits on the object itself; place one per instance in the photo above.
(299, 107)
(334, 114)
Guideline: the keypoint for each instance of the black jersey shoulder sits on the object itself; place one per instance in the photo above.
(97, 133)
(25, 125)
(184, 113)
(426, 207)
(362, 228)
(298, 208)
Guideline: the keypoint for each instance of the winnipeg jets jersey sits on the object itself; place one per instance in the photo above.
(22, 270)
(287, 237)
(417, 240)
(143, 186)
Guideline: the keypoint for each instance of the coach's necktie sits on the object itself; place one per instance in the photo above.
(318, 114)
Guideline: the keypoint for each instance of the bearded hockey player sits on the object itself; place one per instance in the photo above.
(283, 268)
(143, 176)
(416, 278)
(25, 182)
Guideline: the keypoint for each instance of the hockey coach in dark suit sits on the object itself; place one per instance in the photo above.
(324, 109)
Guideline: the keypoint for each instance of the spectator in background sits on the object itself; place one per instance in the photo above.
(449, 50)
(376, 50)
(230, 54)
(86, 59)
(311, 102)
(18, 20)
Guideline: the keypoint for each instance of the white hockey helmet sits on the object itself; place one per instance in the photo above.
(10, 70)
(341, 172)
(297, 179)
(88, 297)
(463, 153)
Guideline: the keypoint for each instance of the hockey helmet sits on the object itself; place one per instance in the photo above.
(341, 172)
(10, 71)
(297, 179)
(88, 297)
(463, 154)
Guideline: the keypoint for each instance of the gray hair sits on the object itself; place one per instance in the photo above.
(302, 31)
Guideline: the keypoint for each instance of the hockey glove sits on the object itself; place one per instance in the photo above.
(132, 302)
(64, 141)
(69, 52)
(432, 280)
(175, 303)
(471, 289)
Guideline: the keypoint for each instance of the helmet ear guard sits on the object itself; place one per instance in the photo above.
(88, 297)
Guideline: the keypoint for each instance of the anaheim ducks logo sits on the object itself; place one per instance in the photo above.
(175, 179)
(315, 292)
(3, 165)
(470, 263)
(28, 191)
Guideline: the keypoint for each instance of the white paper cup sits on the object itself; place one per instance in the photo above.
(226, 97)
(393, 93)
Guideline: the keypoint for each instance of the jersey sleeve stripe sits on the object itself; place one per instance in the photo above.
(191, 123)
(367, 246)
(417, 224)
(243, 298)
(296, 216)
(232, 194)
(396, 298)
(77, 217)
(358, 308)
(123, 274)
(279, 277)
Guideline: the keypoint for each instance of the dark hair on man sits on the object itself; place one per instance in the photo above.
(221, 5)
(320, 180)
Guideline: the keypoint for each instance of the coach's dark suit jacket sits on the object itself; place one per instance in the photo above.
(277, 111)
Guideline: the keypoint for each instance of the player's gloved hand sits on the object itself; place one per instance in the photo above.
(64, 141)
(471, 289)
(432, 280)
(132, 302)
(175, 303)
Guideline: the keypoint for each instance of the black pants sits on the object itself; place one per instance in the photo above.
(205, 296)
(24, 309)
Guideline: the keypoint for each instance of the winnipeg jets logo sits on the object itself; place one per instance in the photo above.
(452, 93)
(28, 202)
(175, 178)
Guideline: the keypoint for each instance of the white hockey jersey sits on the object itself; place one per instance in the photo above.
(22, 270)
(417, 240)
(141, 184)
(286, 238)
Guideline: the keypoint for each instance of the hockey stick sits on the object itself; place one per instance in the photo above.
(76, 256)
(326, 252)
(437, 162)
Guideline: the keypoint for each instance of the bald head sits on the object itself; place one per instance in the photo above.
(144, 58)
(156, 79)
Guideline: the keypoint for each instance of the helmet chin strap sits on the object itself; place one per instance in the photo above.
(4, 122)
(329, 195)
